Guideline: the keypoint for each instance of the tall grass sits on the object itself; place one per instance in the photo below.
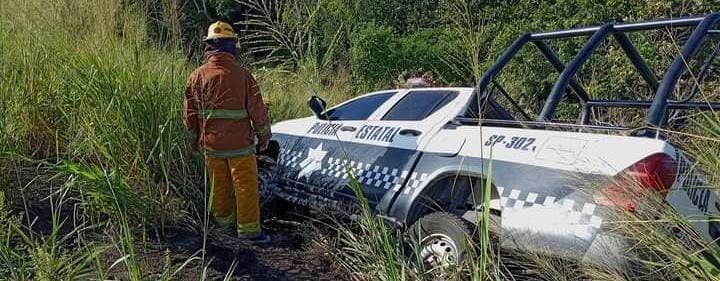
(282, 34)
(287, 92)
(91, 92)
(88, 97)
(91, 104)
(370, 248)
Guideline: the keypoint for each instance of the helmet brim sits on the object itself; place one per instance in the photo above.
(210, 38)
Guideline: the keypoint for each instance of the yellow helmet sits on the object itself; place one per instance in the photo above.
(219, 30)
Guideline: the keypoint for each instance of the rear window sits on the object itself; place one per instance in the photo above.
(359, 109)
(418, 105)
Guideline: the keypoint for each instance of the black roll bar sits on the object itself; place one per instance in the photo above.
(559, 66)
(657, 108)
(501, 62)
(637, 60)
(620, 27)
(561, 84)
(701, 75)
(646, 104)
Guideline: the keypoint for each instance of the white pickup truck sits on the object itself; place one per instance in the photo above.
(421, 156)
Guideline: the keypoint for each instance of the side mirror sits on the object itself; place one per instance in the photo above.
(317, 105)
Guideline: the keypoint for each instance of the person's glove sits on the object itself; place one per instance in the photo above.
(263, 144)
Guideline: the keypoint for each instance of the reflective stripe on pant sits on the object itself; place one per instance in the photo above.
(234, 193)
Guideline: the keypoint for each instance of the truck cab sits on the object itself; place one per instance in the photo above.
(378, 138)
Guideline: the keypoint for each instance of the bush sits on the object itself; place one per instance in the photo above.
(379, 56)
(401, 16)
(375, 56)
(436, 50)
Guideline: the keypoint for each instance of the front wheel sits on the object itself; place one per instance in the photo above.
(267, 169)
(271, 204)
(440, 239)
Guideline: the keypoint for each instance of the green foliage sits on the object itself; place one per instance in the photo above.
(26, 255)
(53, 261)
(105, 193)
(375, 56)
(372, 249)
(287, 92)
(433, 50)
(308, 37)
(13, 261)
(99, 99)
(469, 34)
(379, 56)
(402, 16)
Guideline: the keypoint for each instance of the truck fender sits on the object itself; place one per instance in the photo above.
(405, 206)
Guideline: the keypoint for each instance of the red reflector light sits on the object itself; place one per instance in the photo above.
(654, 173)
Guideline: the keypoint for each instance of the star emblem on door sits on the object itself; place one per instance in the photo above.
(313, 162)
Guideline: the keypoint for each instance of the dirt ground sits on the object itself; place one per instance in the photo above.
(287, 257)
(293, 253)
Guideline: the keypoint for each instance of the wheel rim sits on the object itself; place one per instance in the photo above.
(438, 250)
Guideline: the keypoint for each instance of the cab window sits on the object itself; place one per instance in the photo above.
(359, 109)
(490, 110)
(418, 105)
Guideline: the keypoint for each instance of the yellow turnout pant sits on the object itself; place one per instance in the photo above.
(234, 193)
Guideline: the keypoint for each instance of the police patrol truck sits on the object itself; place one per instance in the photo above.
(421, 156)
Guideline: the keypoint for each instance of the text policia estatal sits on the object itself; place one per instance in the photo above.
(366, 132)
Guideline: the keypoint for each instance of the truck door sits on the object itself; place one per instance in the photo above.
(384, 149)
(316, 165)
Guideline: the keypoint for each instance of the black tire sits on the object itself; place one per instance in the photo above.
(271, 204)
(440, 239)
(267, 170)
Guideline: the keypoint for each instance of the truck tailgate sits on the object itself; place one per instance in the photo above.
(696, 200)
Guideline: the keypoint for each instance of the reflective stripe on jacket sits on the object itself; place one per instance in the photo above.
(223, 109)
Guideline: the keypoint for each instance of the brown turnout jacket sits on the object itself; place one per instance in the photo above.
(223, 110)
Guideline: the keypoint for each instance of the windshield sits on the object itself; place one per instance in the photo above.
(358, 109)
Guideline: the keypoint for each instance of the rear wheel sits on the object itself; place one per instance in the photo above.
(441, 239)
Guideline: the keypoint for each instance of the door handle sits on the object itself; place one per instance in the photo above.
(411, 132)
(348, 129)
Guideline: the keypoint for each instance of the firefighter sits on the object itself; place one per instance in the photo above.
(225, 115)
